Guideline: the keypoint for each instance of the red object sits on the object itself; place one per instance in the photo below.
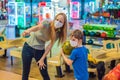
(118, 13)
(106, 14)
(103, 35)
(113, 74)
(47, 15)
(42, 4)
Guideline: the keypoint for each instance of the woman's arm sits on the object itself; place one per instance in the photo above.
(41, 61)
(48, 48)
(35, 28)
(32, 29)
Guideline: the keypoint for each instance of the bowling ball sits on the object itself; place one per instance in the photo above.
(92, 33)
(103, 35)
(106, 28)
(90, 41)
(90, 27)
(67, 48)
(86, 32)
(98, 34)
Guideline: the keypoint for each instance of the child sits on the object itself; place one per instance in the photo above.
(78, 56)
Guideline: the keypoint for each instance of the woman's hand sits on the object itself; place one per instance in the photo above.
(41, 64)
(26, 33)
(62, 53)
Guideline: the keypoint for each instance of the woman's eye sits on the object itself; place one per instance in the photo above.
(60, 21)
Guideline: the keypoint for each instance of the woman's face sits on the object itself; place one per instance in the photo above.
(59, 21)
(60, 18)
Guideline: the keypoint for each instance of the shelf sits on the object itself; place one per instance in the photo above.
(106, 38)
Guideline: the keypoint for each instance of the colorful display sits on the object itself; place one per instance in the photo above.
(74, 10)
(28, 14)
(35, 18)
(99, 29)
(12, 11)
(21, 14)
(46, 11)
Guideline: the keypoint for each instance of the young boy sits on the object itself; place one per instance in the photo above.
(78, 56)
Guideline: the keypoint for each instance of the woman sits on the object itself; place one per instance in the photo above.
(34, 47)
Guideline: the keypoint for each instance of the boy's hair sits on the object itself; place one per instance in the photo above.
(77, 34)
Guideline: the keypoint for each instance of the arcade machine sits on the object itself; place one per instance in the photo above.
(74, 10)
(61, 9)
(21, 14)
(75, 14)
(35, 17)
(46, 11)
(21, 17)
(28, 14)
(12, 20)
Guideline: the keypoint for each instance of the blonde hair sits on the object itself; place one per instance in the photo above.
(63, 30)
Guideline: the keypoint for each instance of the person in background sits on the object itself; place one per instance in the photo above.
(48, 17)
(34, 47)
(78, 57)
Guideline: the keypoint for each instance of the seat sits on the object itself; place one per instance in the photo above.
(110, 45)
(2, 51)
(118, 45)
(2, 40)
(57, 62)
(15, 52)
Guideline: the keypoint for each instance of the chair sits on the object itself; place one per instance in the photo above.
(16, 52)
(56, 61)
(2, 40)
(110, 45)
(118, 45)
(2, 51)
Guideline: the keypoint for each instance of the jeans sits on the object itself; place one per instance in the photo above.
(27, 54)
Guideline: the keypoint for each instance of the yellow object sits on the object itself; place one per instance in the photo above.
(91, 59)
(55, 60)
(67, 48)
(16, 52)
(2, 51)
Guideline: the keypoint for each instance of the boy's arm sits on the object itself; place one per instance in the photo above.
(67, 60)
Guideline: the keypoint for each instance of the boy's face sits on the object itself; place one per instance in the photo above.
(74, 41)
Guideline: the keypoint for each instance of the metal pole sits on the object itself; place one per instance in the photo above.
(31, 10)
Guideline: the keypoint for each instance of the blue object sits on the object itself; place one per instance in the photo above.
(80, 66)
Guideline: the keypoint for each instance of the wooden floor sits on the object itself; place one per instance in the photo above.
(5, 65)
(5, 75)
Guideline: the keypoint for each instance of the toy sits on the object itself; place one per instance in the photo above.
(67, 48)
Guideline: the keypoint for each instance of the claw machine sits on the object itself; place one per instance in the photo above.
(12, 20)
(75, 10)
(46, 11)
(35, 18)
(21, 14)
(28, 14)
(21, 18)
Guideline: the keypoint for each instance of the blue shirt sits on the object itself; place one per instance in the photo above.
(80, 66)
